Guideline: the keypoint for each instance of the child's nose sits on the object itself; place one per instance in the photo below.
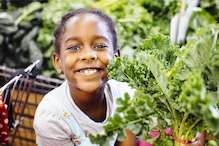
(88, 54)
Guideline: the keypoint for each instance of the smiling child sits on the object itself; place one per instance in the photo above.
(85, 42)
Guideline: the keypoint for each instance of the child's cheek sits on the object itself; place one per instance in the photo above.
(69, 61)
(107, 58)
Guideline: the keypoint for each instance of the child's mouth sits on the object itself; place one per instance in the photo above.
(89, 71)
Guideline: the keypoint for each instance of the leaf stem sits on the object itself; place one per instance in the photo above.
(191, 127)
(185, 117)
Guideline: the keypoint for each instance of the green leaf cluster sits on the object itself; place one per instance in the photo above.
(176, 86)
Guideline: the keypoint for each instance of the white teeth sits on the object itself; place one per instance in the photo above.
(88, 71)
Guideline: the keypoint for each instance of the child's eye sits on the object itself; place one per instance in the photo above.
(74, 48)
(100, 46)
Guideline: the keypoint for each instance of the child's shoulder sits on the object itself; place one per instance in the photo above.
(119, 84)
(120, 88)
(53, 98)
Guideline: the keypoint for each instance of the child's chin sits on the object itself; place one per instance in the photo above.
(91, 86)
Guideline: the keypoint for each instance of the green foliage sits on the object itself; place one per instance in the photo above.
(132, 20)
(212, 7)
(17, 37)
(179, 91)
(159, 45)
(136, 20)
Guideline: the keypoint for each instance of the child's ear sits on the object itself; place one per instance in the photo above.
(56, 62)
(117, 53)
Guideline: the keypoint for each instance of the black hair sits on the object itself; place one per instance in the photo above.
(60, 27)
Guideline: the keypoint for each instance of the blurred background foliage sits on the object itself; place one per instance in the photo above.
(26, 27)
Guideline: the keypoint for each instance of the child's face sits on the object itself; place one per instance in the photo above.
(86, 49)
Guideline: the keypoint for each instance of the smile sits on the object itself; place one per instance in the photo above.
(88, 71)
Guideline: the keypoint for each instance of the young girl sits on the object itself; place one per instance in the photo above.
(85, 42)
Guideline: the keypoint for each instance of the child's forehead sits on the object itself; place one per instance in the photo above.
(87, 24)
(83, 19)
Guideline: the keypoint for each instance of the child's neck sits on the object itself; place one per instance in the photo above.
(92, 104)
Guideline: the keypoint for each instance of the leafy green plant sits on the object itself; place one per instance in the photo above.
(17, 36)
(177, 88)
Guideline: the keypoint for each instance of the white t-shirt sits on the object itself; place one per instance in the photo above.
(57, 106)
